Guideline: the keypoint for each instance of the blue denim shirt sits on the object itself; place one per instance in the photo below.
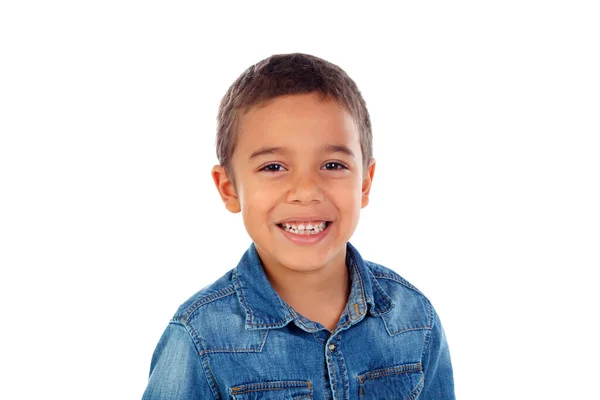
(237, 339)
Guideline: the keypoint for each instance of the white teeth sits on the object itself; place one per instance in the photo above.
(301, 229)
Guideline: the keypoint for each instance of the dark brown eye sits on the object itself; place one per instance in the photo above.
(332, 166)
(272, 168)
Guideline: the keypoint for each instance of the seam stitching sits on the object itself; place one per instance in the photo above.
(398, 279)
(389, 371)
(205, 300)
(212, 382)
(240, 349)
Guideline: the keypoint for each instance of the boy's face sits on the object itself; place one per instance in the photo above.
(297, 161)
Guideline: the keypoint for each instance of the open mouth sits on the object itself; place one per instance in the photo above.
(305, 228)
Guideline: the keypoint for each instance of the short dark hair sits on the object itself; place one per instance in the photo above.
(288, 74)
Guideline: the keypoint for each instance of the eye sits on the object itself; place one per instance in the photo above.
(332, 166)
(272, 168)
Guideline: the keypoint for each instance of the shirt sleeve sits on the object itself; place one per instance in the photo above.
(176, 371)
(437, 367)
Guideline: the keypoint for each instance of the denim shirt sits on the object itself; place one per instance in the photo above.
(237, 339)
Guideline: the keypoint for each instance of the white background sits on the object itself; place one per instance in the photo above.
(486, 194)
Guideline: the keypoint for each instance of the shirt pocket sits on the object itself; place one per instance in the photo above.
(402, 382)
(280, 390)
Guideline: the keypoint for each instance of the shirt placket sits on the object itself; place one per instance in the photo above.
(336, 368)
(336, 365)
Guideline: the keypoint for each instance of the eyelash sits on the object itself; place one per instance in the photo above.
(340, 167)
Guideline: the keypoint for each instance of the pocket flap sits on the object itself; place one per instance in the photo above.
(402, 382)
(288, 390)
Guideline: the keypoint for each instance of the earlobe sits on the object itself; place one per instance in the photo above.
(226, 188)
(367, 182)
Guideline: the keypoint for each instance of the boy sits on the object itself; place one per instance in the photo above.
(302, 316)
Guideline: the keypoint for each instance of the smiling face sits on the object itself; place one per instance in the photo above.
(299, 181)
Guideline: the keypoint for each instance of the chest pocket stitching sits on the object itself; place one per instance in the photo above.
(274, 386)
(399, 370)
(380, 373)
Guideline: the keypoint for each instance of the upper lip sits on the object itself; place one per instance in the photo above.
(304, 219)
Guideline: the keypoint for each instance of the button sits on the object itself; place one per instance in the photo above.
(331, 347)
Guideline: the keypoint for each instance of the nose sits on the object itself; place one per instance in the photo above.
(305, 189)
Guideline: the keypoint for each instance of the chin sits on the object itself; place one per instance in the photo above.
(299, 262)
(302, 267)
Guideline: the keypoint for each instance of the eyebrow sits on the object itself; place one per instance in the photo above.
(267, 150)
(330, 148)
(336, 148)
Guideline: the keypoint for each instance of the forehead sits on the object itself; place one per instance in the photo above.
(297, 122)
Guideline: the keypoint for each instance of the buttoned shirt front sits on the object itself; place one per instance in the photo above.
(237, 339)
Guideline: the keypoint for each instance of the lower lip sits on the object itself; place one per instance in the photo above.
(306, 239)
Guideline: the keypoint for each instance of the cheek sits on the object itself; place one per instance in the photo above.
(346, 194)
(258, 198)
(256, 203)
(250, 192)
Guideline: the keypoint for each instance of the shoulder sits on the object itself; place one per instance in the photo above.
(215, 319)
(411, 305)
(219, 295)
(391, 279)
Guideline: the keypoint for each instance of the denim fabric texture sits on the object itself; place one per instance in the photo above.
(237, 339)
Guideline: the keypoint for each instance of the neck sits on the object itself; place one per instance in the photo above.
(320, 295)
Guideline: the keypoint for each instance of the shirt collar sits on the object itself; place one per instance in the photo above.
(266, 310)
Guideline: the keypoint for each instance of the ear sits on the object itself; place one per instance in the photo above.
(226, 189)
(367, 181)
